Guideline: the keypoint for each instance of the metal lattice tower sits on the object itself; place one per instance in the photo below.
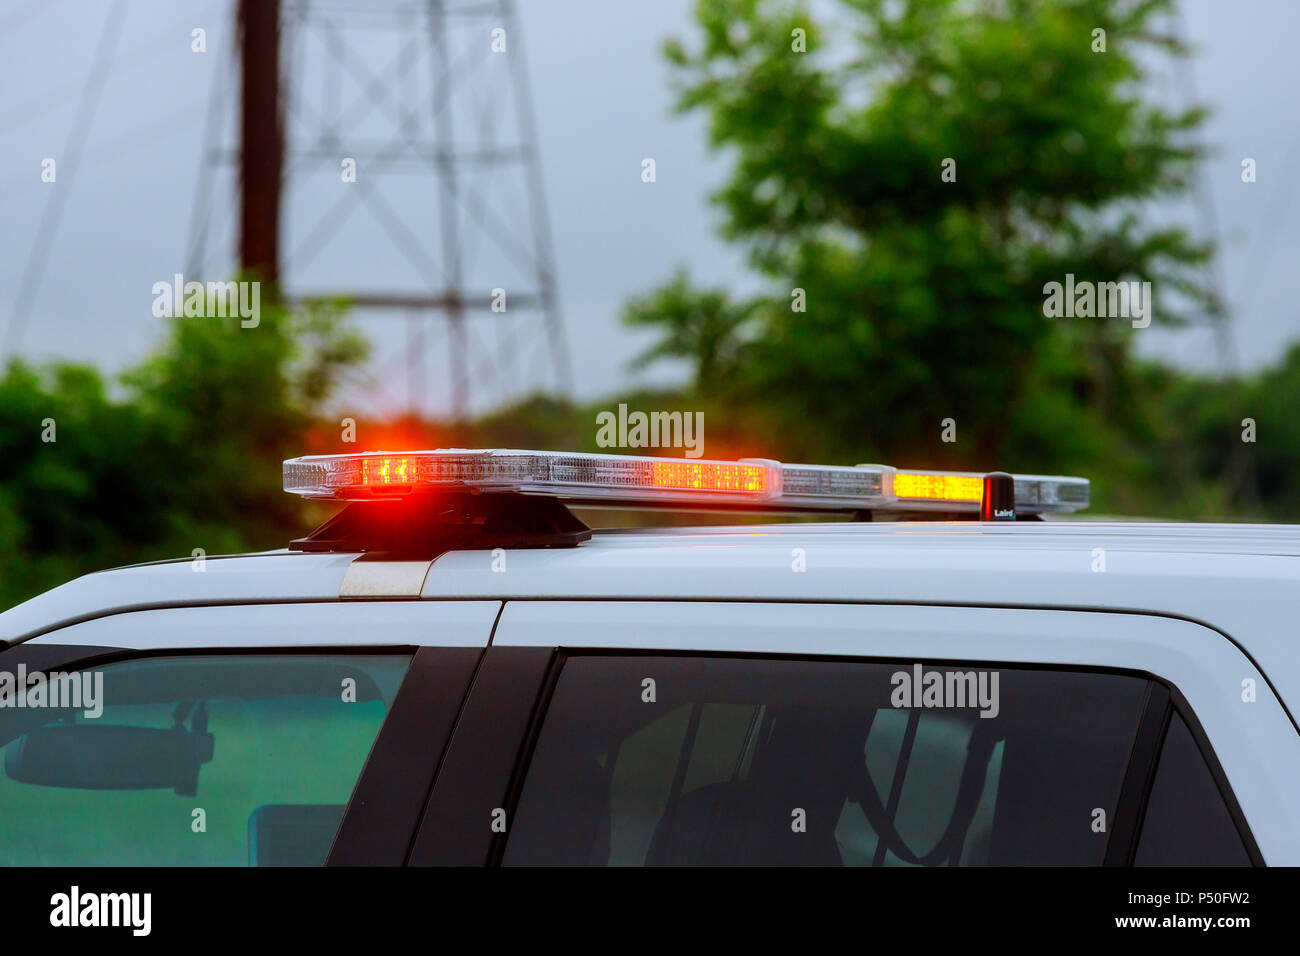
(446, 217)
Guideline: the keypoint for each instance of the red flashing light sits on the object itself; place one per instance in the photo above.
(387, 472)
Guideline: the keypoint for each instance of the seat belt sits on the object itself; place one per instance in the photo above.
(978, 751)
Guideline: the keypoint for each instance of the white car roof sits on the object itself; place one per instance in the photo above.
(1239, 579)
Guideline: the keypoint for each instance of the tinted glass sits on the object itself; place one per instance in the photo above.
(204, 760)
(722, 761)
(1187, 821)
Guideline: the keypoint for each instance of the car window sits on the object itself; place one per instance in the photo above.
(660, 760)
(1187, 822)
(223, 760)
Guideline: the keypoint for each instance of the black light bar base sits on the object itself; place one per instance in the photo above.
(424, 526)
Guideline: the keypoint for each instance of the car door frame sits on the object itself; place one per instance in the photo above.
(1198, 667)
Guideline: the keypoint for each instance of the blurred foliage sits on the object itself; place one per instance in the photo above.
(924, 297)
(186, 455)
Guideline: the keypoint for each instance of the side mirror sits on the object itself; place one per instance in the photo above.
(110, 757)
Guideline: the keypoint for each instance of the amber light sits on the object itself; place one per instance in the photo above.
(938, 487)
(708, 477)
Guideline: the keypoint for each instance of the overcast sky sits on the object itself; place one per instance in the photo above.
(602, 103)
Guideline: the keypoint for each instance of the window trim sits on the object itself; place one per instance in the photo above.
(550, 680)
(1180, 705)
(1139, 776)
(379, 824)
(483, 759)
(1164, 701)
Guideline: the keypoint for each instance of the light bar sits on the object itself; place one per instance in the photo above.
(613, 479)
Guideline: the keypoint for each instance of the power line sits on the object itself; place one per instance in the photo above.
(91, 92)
(140, 55)
(126, 144)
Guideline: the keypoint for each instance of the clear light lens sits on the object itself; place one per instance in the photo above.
(1051, 493)
(833, 486)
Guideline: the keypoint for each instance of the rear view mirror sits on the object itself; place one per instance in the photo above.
(109, 757)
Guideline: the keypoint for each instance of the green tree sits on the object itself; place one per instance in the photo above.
(186, 456)
(700, 326)
(923, 293)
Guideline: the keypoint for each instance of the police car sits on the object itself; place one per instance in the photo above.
(456, 670)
